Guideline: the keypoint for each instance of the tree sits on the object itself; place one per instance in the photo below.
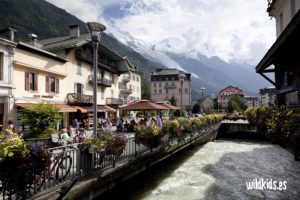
(40, 117)
(196, 108)
(173, 101)
(236, 103)
(145, 91)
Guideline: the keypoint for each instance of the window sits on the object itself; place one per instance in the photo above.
(78, 88)
(137, 79)
(159, 91)
(31, 81)
(173, 83)
(102, 93)
(79, 67)
(293, 7)
(154, 91)
(154, 84)
(52, 84)
(112, 93)
(1, 65)
(159, 84)
(133, 77)
(281, 22)
(112, 78)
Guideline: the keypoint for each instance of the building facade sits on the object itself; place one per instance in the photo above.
(165, 84)
(129, 84)
(7, 50)
(267, 96)
(226, 93)
(59, 70)
(112, 71)
(282, 59)
(251, 101)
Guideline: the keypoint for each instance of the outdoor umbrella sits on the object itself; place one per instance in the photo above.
(169, 106)
(144, 105)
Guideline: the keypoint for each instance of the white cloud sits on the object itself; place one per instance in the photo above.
(234, 30)
(228, 29)
(82, 9)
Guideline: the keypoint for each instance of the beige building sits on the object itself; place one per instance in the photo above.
(165, 84)
(282, 59)
(7, 50)
(112, 68)
(39, 76)
(130, 84)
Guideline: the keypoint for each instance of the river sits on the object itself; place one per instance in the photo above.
(218, 170)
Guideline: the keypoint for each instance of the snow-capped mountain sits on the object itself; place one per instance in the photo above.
(212, 73)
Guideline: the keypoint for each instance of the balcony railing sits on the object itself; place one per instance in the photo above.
(102, 63)
(76, 98)
(170, 86)
(125, 91)
(126, 78)
(101, 81)
(114, 101)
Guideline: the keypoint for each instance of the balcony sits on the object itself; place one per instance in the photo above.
(101, 81)
(170, 86)
(102, 63)
(125, 91)
(79, 99)
(126, 78)
(114, 101)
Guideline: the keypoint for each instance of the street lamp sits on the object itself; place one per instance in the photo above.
(95, 29)
(181, 77)
(202, 100)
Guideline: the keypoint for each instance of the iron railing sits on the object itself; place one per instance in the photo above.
(77, 98)
(103, 63)
(101, 81)
(114, 101)
(69, 162)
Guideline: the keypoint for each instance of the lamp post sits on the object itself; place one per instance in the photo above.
(181, 77)
(202, 100)
(95, 29)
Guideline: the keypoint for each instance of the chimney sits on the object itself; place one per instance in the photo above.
(74, 31)
(8, 33)
(33, 39)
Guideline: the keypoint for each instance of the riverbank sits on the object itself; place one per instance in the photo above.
(216, 170)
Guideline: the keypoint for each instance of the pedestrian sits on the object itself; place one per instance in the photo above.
(64, 136)
(158, 121)
(11, 126)
(76, 125)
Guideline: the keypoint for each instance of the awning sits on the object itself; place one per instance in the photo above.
(104, 108)
(82, 110)
(100, 108)
(61, 107)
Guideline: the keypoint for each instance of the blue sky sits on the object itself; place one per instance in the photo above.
(234, 30)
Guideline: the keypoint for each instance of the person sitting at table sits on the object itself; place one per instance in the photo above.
(64, 136)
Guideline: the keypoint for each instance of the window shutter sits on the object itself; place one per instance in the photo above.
(75, 88)
(36, 82)
(57, 86)
(47, 84)
(26, 81)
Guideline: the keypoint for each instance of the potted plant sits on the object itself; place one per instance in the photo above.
(17, 160)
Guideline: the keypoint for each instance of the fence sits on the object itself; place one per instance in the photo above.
(69, 163)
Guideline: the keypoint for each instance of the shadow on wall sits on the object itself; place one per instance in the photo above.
(233, 170)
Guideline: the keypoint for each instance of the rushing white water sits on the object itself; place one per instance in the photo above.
(219, 170)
